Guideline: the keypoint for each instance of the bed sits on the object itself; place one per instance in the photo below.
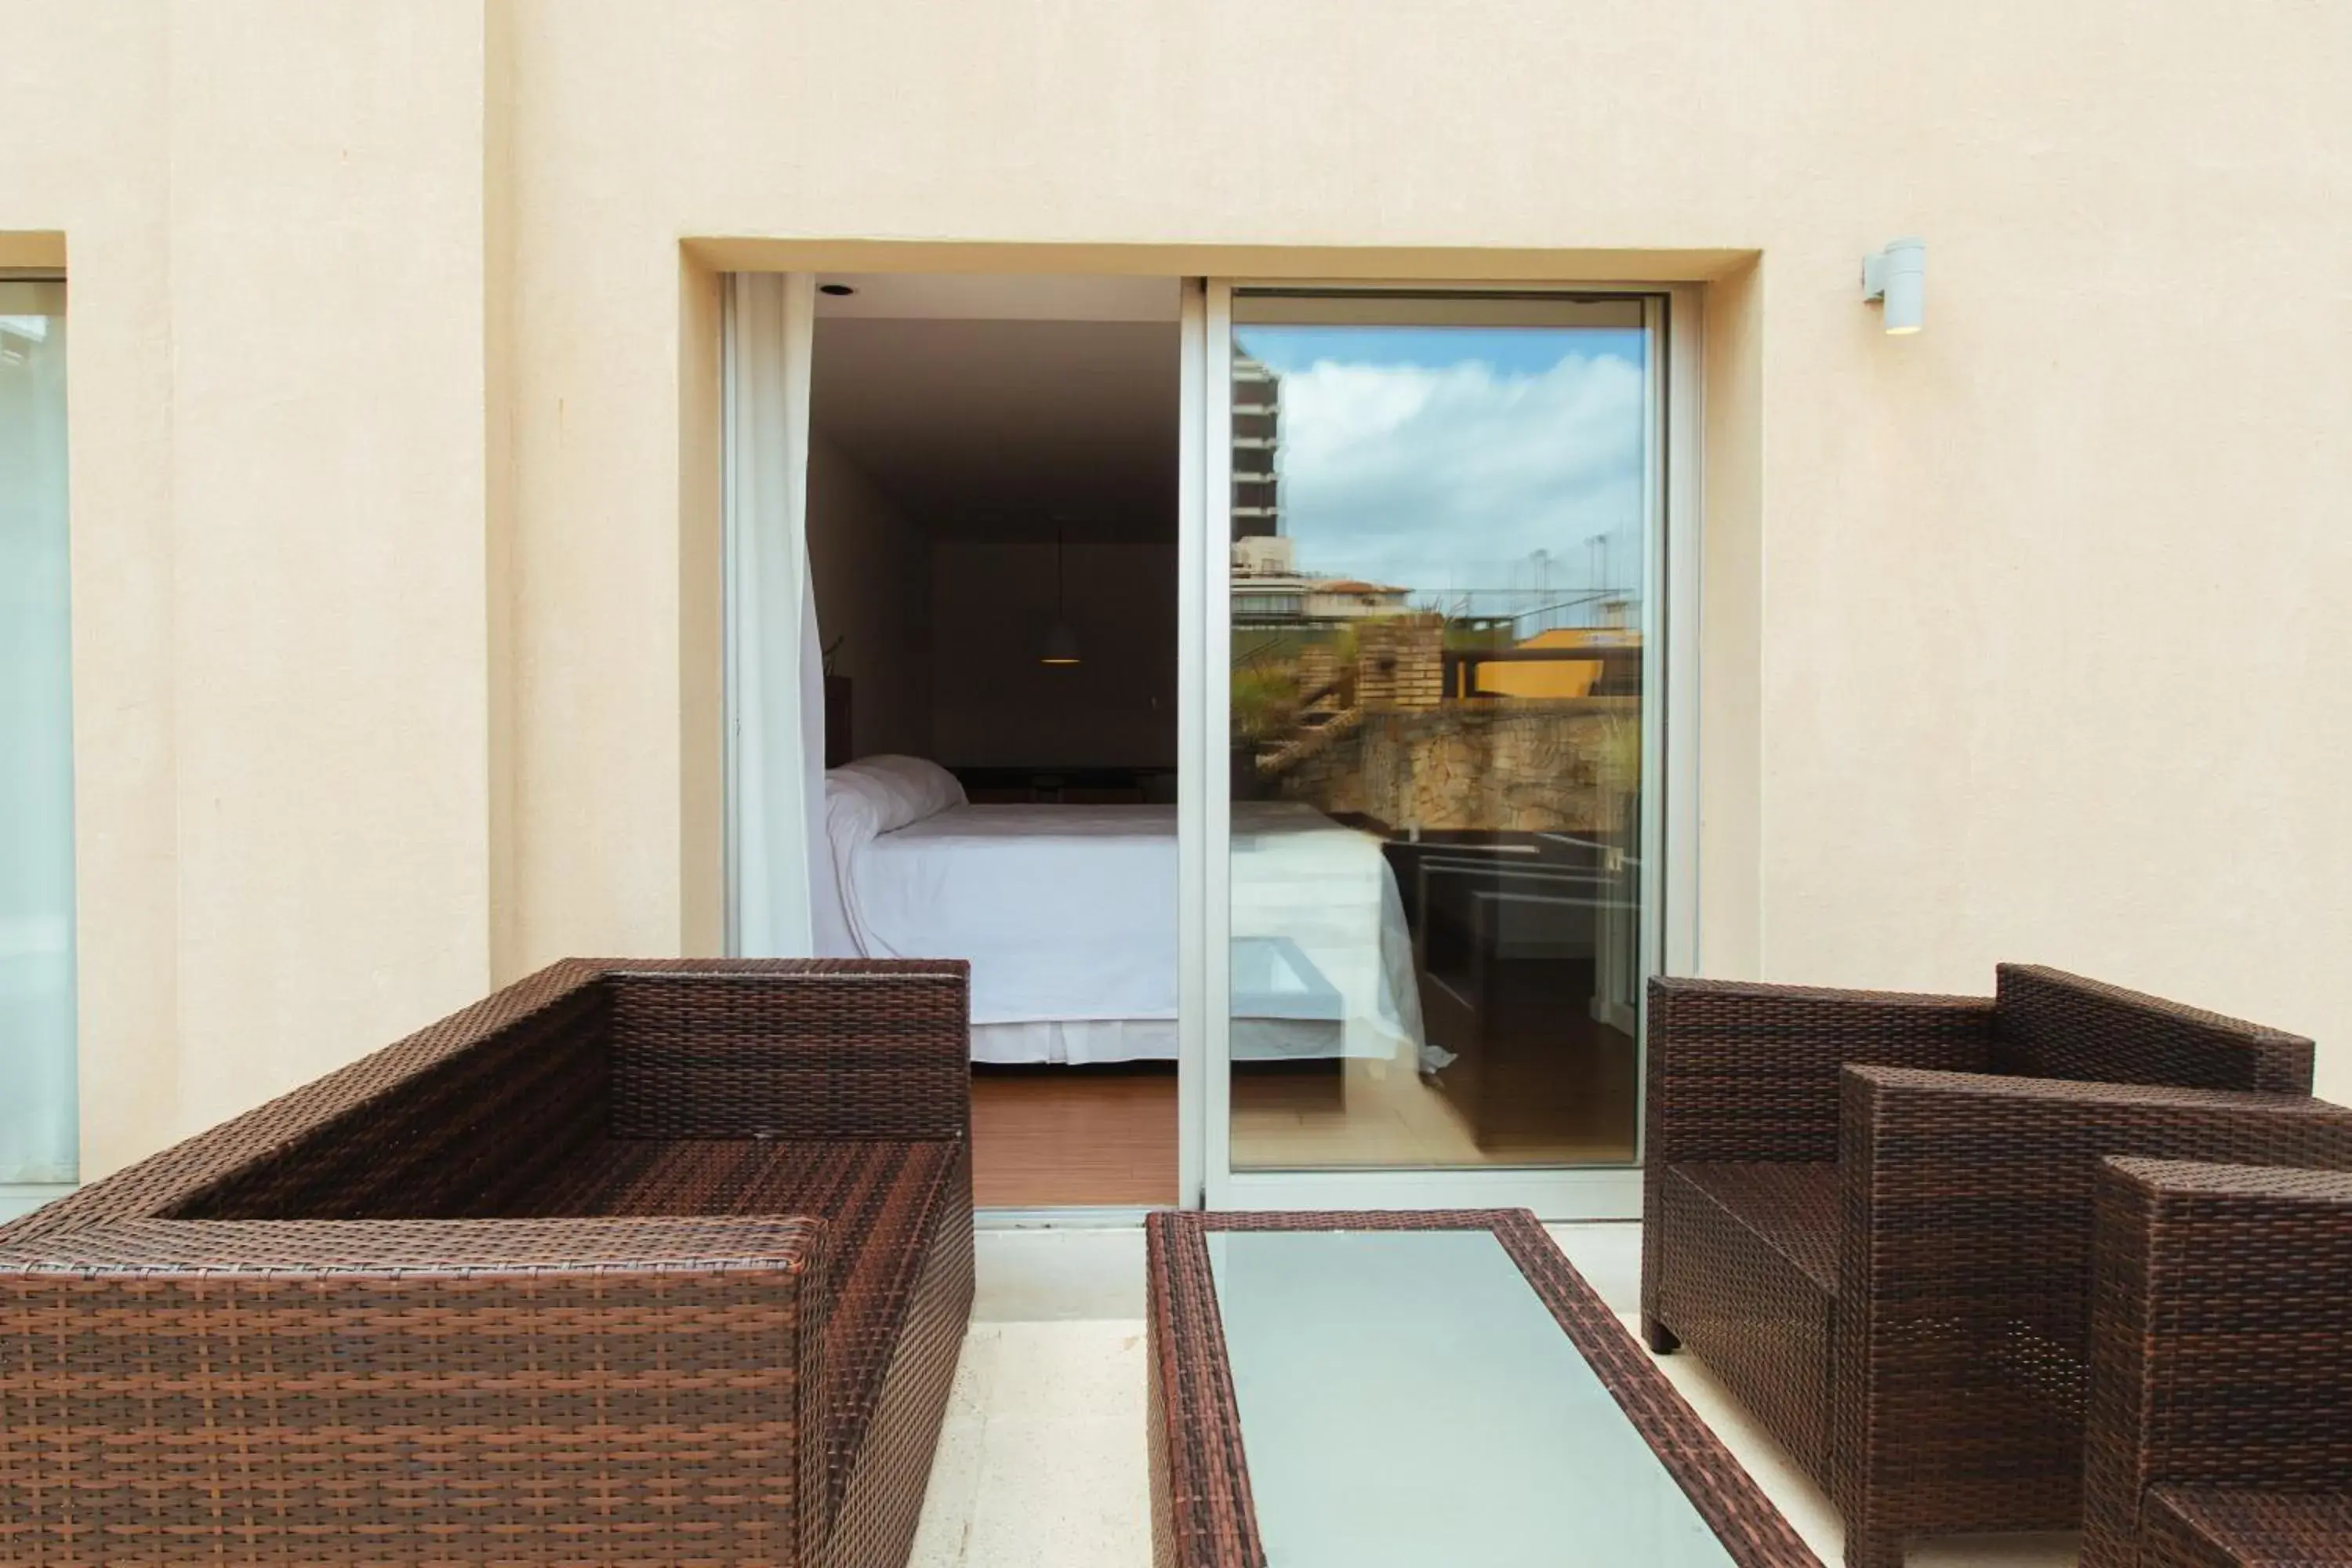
(1068, 914)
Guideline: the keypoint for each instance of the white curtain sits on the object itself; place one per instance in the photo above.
(37, 1119)
(775, 668)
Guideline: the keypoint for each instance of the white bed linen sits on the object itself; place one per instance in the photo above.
(1083, 1041)
(1068, 916)
(1076, 1040)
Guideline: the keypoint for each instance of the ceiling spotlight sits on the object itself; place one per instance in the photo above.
(838, 291)
(1898, 277)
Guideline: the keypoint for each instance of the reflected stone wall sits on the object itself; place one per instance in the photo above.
(1489, 766)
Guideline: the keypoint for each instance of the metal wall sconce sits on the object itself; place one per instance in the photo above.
(1897, 279)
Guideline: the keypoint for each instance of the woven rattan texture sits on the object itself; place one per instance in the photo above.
(827, 1055)
(882, 1497)
(1202, 1515)
(1962, 1352)
(1747, 1073)
(2185, 1528)
(1792, 1208)
(889, 1195)
(2050, 1024)
(1201, 1512)
(1753, 1072)
(1956, 1328)
(1755, 1315)
(466, 1135)
(595, 1349)
(2220, 1396)
(160, 1184)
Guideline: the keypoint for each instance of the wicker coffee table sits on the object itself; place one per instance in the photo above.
(1375, 1389)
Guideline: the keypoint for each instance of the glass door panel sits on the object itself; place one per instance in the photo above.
(38, 1126)
(1442, 532)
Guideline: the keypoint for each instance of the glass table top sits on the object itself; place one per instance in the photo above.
(1407, 1399)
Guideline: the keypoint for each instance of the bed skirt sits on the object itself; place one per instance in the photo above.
(1079, 1042)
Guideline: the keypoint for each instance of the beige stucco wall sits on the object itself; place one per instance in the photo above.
(394, 475)
(273, 220)
(870, 569)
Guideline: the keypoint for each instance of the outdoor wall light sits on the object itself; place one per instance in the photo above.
(1898, 277)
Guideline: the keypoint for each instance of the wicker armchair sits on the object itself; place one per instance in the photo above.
(1870, 1214)
(2221, 1403)
(630, 1263)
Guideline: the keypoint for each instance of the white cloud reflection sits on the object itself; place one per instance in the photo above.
(1449, 478)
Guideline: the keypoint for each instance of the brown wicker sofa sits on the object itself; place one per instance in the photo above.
(2221, 1394)
(1870, 1214)
(631, 1262)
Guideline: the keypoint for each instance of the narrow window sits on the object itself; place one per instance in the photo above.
(37, 1123)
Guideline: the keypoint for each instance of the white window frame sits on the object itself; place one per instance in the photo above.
(21, 1198)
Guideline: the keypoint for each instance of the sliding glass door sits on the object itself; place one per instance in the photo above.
(38, 1129)
(1434, 630)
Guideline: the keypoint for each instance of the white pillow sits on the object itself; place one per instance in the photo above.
(902, 790)
(863, 801)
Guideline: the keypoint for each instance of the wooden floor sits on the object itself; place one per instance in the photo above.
(1382, 1115)
(1053, 1137)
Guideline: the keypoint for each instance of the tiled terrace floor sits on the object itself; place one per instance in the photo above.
(1041, 1464)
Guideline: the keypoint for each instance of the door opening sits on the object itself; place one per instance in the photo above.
(1264, 687)
(992, 533)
